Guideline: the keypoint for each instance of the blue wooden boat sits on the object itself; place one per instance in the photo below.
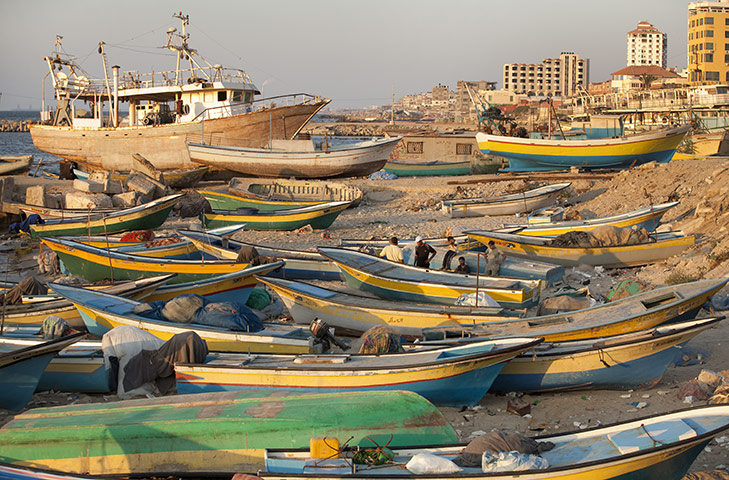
(661, 446)
(298, 265)
(622, 362)
(77, 368)
(10, 472)
(452, 375)
(20, 370)
(529, 155)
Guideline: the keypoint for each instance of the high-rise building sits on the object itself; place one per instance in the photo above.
(647, 46)
(708, 42)
(556, 76)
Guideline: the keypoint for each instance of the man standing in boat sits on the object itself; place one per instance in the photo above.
(424, 253)
(494, 259)
(450, 253)
(392, 252)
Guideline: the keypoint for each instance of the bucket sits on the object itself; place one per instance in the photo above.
(327, 447)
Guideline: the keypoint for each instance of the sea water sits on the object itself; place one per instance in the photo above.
(20, 143)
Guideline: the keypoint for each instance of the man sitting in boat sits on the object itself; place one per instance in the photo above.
(424, 253)
(494, 259)
(392, 252)
(462, 266)
(452, 250)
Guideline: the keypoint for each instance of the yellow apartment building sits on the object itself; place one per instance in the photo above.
(708, 42)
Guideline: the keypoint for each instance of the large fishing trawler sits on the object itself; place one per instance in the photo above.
(202, 102)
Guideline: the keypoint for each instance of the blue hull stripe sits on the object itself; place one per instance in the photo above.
(528, 163)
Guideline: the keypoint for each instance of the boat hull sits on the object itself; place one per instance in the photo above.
(350, 162)
(506, 205)
(318, 216)
(528, 155)
(224, 432)
(427, 169)
(229, 201)
(164, 145)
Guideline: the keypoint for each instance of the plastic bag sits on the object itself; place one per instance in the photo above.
(424, 463)
(511, 462)
(483, 300)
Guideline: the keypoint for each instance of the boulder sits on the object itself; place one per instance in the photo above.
(88, 186)
(145, 185)
(87, 200)
(125, 200)
(112, 188)
(36, 195)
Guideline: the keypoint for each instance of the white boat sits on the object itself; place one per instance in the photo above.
(297, 158)
(504, 204)
(165, 110)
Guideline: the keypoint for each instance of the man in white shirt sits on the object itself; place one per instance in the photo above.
(392, 252)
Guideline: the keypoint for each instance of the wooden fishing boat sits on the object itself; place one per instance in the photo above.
(179, 178)
(229, 287)
(318, 216)
(504, 204)
(15, 164)
(47, 213)
(622, 362)
(143, 217)
(9, 472)
(435, 168)
(291, 190)
(222, 432)
(231, 201)
(646, 217)
(101, 312)
(77, 368)
(529, 155)
(21, 369)
(447, 376)
(34, 310)
(297, 158)
(95, 264)
(397, 281)
(539, 248)
(659, 446)
(304, 265)
(354, 314)
(115, 241)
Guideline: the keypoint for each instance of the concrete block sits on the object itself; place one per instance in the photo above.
(125, 200)
(99, 176)
(87, 200)
(36, 195)
(54, 200)
(112, 188)
(144, 185)
(87, 186)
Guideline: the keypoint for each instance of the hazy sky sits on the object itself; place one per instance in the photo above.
(351, 51)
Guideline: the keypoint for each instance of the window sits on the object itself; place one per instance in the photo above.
(712, 76)
(222, 96)
(710, 33)
(463, 148)
(709, 57)
(709, 20)
(415, 147)
(709, 46)
(726, 59)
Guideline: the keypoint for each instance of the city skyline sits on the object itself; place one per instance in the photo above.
(355, 53)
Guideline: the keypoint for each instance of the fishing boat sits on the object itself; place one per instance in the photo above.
(9, 472)
(291, 190)
(354, 314)
(434, 168)
(95, 264)
(231, 201)
(622, 362)
(77, 368)
(529, 155)
(15, 164)
(21, 369)
(115, 241)
(142, 217)
(504, 204)
(646, 217)
(34, 310)
(665, 245)
(221, 432)
(397, 281)
(659, 446)
(297, 158)
(101, 312)
(304, 265)
(446, 376)
(47, 213)
(166, 108)
(318, 216)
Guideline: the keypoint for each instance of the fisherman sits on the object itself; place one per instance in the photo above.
(450, 253)
(494, 259)
(424, 253)
(392, 252)
(462, 266)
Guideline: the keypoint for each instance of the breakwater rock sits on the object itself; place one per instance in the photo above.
(14, 125)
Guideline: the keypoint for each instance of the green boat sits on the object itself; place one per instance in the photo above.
(319, 216)
(231, 201)
(433, 168)
(221, 432)
(143, 217)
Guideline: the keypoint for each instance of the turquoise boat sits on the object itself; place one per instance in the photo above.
(433, 168)
(143, 217)
(221, 432)
(20, 370)
(451, 375)
(621, 362)
(319, 216)
(661, 446)
(529, 155)
(233, 201)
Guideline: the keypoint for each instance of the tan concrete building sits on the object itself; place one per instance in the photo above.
(708, 42)
(557, 76)
(464, 110)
